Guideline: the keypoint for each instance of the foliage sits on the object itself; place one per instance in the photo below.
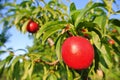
(43, 60)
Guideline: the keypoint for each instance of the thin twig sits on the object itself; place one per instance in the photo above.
(49, 63)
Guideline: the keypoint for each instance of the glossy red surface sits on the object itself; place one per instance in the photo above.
(32, 27)
(77, 52)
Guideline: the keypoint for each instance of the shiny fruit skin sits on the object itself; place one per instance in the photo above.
(111, 42)
(77, 52)
(32, 27)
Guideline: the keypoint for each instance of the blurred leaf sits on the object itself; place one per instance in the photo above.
(15, 60)
(115, 22)
(100, 51)
(102, 60)
(69, 74)
(101, 21)
(25, 3)
(16, 71)
(97, 58)
(72, 7)
(24, 27)
(74, 14)
(21, 50)
(116, 50)
(116, 39)
(58, 47)
(96, 40)
(27, 70)
(84, 11)
(48, 26)
(118, 11)
(2, 51)
(51, 11)
(2, 68)
(51, 31)
(10, 4)
(52, 77)
(90, 26)
(18, 18)
(9, 59)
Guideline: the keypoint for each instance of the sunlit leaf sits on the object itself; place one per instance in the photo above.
(24, 27)
(84, 11)
(49, 25)
(72, 7)
(51, 31)
(115, 22)
(18, 18)
(101, 21)
(2, 68)
(16, 70)
(69, 74)
(58, 47)
(52, 77)
(2, 51)
(28, 69)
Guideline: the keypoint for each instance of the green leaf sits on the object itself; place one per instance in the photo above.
(58, 47)
(102, 60)
(116, 39)
(101, 20)
(18, 18)
(69, 74)
(116, 50)
(97, 58)
(72, 7)
(28, 69)
(16, 71)
(90, 26)
(2, 63)
(21, 50)
(51, 11)
(51, 31)
(36, 11)
(101, 50)
(25, 4)
(84, 11)
(25, 26)
(16, 60)
(2, 51)
(96, 40)
(10, 4)
(115, 22)
(118, 29)
(8, 59)
(118, 12)
(52, 77)
(2, 68)
(47, 26)
(108, 55)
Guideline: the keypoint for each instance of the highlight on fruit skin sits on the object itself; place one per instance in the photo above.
(32, 27)
(77, 52)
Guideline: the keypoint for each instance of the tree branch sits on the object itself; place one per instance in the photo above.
(49, 63)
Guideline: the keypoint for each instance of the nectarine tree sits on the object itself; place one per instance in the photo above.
(61, 51)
